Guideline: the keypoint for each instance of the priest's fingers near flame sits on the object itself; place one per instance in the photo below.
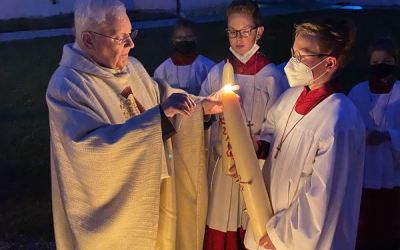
(212, 105)
(178, 103)
(235, 87)
(218, 93)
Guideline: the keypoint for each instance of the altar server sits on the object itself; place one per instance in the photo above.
(186, 69)
(261, 83)
(314, 170)
(378, 100)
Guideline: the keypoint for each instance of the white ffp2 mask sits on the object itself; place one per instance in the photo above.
(245, 58)
(299, 74)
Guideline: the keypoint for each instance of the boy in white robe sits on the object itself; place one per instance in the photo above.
(378, 101)
(314, 171)
(261, 84)
(186, 69)
(113, 153)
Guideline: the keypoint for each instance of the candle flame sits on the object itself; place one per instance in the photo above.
(228, 87)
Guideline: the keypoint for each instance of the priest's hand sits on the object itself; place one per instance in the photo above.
(178, 103)
(212, 105)
(217, 95)
(266, 242)
(375, 137)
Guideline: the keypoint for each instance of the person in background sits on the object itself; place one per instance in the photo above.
(186, 69)
(378, 100)
(313, 173)
(261, 83)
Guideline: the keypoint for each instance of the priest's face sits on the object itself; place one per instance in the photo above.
(242, 32)
(110, 43)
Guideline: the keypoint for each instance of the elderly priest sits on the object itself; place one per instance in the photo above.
(127, 161)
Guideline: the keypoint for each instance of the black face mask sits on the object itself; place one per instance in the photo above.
(381, 70)
(185, 47)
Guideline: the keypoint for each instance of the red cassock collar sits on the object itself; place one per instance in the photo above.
(180, 59)
(252, 66)
(309, 99)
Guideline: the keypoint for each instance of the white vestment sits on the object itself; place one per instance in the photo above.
(380, 112)
(257, 93)
(113, 179)
(315, 182)
(186, 77)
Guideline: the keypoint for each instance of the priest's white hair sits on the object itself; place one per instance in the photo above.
(90, 13)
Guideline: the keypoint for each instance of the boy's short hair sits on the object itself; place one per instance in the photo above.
(246, 7)
(334, 35)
